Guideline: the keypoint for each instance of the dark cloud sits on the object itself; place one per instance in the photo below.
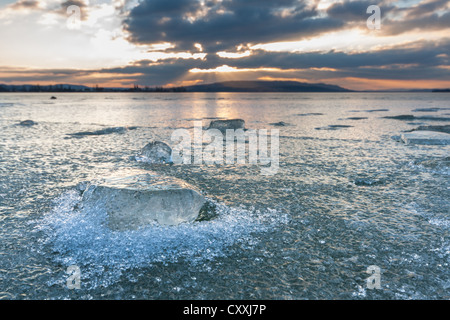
(427, 15)
(430, 22)
(395, 19)
(25, 4)
(425, 8)
(422, 61)
(79, 3)
(59, 8)
(220, 25)
(424, 53)
(161, 73)
(224, 25)
(350, 10)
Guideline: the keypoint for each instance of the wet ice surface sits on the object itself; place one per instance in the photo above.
(82, 238)
(341, 201)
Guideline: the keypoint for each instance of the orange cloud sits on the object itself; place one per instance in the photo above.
(387, 84)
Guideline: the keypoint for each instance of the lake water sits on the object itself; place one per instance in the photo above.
(344, 198)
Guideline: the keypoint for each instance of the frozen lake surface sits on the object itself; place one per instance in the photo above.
(346, 196)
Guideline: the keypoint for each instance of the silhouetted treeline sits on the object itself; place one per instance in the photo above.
(80, 88)
(441, 90)
(39, 88)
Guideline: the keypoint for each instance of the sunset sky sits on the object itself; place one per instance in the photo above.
(118, 43)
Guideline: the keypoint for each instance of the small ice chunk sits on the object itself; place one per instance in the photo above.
(156, 152)
(27, 123)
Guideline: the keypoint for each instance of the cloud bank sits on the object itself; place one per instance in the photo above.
(160, 42)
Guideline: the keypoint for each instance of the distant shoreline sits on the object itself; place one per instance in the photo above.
(170, 91)
(226, 87)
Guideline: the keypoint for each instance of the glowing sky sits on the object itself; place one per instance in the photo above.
(118, 43)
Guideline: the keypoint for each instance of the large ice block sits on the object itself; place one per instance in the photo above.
(135, 198)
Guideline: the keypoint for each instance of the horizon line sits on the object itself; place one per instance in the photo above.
(68, 87)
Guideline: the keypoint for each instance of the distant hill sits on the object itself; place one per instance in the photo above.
(265, 86)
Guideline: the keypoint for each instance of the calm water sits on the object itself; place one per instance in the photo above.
(342, 200)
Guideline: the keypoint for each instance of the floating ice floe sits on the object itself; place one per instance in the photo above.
(357, 118)
(279, 124)
(433, 109)
(426, 138)
(334, 127)
(223, 125)
(310, 114)
(27, 123)
(442, 128)
(369, 182)
(409, 117)
(102, 131)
